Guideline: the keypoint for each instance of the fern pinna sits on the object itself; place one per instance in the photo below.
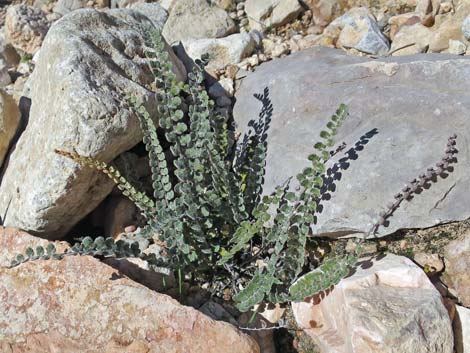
(209, 214)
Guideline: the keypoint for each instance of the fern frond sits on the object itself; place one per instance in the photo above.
(329, 273)
(162, 187)
(142, 201)
(88, 246)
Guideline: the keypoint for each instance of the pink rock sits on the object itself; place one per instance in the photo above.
(79, 304)
(389, 305)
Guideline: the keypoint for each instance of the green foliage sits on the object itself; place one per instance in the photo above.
(329, 273)
(212, 220)
(105, 247)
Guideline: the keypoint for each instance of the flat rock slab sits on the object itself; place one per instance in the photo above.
(89, 64)
(80, 304)
(401, 112)
(387, 305)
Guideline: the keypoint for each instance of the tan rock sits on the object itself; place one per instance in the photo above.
(79, 304)
(25, 27)
(449, 26)
(457, 272)
(9, 121)
(396, 22)
(388, 307)
(411, 40)
(431, 263)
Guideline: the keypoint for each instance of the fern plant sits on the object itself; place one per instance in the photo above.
(208, 214)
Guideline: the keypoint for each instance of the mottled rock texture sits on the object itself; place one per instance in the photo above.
(25, 27)
(385, 306)
(79, 304)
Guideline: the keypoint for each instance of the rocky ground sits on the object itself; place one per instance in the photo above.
(402, 68)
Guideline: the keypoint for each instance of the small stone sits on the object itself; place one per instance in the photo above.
(450, 28)
(253, 60)
(272, 313)
(457, 47)
(130, 229)
(445, 7)
(279, 50)
(196, 19)
(264, 14)
(357, 29)
(240, 13)
(244, 22)
(233, 15)
(25, 27)
(431, 263)
(222, 51)
(231, 71)
(241, 6)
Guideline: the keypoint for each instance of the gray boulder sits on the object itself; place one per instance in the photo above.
(197, 19)
(89, 63)
(401, 112)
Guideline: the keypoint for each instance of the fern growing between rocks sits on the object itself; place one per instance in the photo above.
(209, 216)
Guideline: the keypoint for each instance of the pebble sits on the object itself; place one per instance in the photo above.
(457, 47)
